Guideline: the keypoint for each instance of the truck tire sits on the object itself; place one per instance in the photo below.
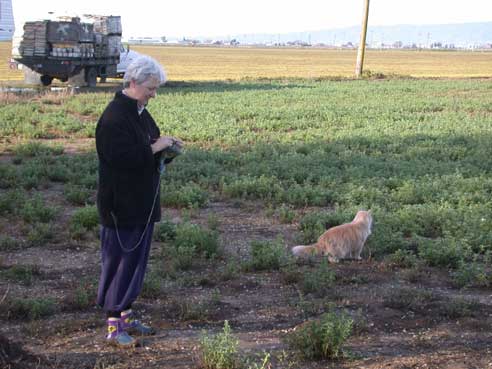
(91, 76)
(46, 80)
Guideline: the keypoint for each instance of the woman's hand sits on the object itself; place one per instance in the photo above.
(164, 142)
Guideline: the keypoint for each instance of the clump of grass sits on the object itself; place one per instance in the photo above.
(266, 255)
(152, 285)
(201, 241)
(83, 220)
(33, 149)
(471, 274)
(318, 280)
(78, 195)
(322, 339)
(29, 308)
(34, 210)
(408, 299)
(24, 274)
(8, 176)
(11, 201)
(402, 259)
(40, 234)
(219, 351)
(189, 195)
(8, 243)
(286, 214)
(165, 231)
(443, 252)
(82, 297)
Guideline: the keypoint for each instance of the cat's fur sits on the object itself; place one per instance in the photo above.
(341, 242)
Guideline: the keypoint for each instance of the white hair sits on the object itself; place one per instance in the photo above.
(143, 69)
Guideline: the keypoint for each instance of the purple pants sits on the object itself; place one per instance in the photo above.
(122, 272)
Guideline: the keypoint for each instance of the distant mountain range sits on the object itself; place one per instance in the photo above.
(459, 35)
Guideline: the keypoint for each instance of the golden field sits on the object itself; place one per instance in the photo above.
(223, 63)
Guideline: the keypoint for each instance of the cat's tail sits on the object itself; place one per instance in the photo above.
(304, 251)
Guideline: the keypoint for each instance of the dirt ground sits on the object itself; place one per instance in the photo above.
(261, 307)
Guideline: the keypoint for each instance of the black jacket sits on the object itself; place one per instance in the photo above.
(128, 171)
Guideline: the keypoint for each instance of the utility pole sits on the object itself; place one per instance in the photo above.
(362, 44)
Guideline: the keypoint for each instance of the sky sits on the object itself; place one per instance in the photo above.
(193, 18)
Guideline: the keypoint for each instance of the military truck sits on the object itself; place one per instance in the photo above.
(71, 49)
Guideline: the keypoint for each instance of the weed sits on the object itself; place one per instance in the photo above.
(191, 310)
(11, 201)
(213, 222)
(165, 231)
(78, 195)
(40, 234)
(82, 297)
(34, 149)
(86, 217)
(29, 308)
(182, 256)
(266, 255)
(319, 280)
(9, 243)
(471, 274)
(23, 274)
(322, 339)
(197, 240)
(286, 214)
(230, 271)
(291, 273)
(8, 176)
(219, 351)
(189, 195)
(402, 259)
(408, 299)
(152, 285)
(443, 252)
(457, 308)
(34, 210)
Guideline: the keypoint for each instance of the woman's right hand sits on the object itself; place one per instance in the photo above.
(164, 142)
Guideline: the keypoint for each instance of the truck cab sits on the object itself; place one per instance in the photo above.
(126, 57)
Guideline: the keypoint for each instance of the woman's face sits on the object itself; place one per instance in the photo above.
(145, 91)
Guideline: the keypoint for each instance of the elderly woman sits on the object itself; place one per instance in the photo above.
(129, 147)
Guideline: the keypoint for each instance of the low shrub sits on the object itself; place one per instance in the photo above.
(30, 308)
(266, 255)
(219, 351)
(318, 280)
(86, 217)
(165, 231)
(40, 234)
(203, 241)
(323, 338)
(78, 195)
(23, 274)
(8, 243)
(34, 210)
(189, 195)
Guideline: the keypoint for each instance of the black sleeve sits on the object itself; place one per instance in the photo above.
(118, 144)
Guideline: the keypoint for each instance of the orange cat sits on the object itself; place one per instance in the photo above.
(341, 242)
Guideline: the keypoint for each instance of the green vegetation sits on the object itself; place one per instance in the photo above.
(416, 152)
(219, 351)
(322, 339)
(266, 255)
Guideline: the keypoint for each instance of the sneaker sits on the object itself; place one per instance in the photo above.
(133, 326)
(117, 336)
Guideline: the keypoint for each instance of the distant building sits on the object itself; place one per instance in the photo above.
(147, 40)
(7, 26)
